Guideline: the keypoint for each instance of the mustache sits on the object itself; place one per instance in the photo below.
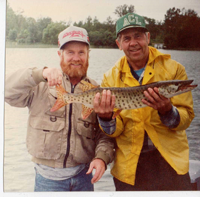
(75, 62)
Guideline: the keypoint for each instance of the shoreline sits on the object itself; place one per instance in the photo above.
(9, 44)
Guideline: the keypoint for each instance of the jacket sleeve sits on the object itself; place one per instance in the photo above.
(119, 123)
(104, 147)
(183, 102)
(19, 86)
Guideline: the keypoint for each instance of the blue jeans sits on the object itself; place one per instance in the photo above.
(80, 182)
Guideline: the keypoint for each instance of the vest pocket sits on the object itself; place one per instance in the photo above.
(44, 137)
(85, 141)
(86, 129)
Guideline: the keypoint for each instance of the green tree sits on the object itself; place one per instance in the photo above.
(14, 21)
(12, 34)
(181, 29)
(172, 20)
(50, 33)
(42, 23)
(96, 38)
(188, 35)
(10, 20)
(96, 24)
(23, 36)
(32, 31)
(109, 39)
(88, 24)
(21, 22)
(123, 10)
(155, 28)
(110, 24)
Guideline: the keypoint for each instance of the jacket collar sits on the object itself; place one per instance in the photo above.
(124, 68)
(154, 54)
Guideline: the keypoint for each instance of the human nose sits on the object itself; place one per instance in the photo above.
(133, 42)
(76, 57)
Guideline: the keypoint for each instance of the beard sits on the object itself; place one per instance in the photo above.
(74, 72)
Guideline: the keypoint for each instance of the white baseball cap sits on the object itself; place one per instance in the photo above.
(72, 33)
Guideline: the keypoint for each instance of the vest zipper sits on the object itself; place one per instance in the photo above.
(69, 130)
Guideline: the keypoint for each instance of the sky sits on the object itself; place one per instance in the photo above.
(79, 10)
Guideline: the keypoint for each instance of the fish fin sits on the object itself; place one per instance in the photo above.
(86, 111)
(116, 113)
(60, 100)
(84, 85)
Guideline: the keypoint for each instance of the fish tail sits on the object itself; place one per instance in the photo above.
(60, 102)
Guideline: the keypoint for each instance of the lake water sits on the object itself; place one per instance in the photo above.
(18, 169)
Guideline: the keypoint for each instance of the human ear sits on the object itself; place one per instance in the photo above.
(59, 52)
(148, 37)
(118, 44)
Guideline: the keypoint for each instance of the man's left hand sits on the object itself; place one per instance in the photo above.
(157, 101)
(99, 165)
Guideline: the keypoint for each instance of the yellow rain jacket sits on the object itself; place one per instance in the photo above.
(132, 124)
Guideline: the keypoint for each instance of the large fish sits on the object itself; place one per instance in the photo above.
(126, 98)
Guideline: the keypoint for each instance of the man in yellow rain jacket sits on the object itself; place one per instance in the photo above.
(152, 151)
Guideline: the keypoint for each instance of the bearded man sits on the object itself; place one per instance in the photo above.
(65, 148)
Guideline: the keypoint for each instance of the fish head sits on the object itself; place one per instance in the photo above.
(176, 87)
(185, 87)
(167, 90)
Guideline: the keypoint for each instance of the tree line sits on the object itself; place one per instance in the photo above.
(179, 30)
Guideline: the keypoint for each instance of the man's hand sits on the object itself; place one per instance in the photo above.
(104, 107)
(99, 165)
(157, 101)
(53, 76)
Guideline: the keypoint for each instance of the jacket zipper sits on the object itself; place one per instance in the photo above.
(69, 130)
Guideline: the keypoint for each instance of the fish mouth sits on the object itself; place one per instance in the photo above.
(186, 85)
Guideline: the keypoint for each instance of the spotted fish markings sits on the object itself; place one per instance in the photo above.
(126, 98)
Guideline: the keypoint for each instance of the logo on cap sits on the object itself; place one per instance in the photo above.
(74, 34)
(131, 19)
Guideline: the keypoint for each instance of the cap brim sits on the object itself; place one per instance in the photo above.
(131, 26)
(75, 40)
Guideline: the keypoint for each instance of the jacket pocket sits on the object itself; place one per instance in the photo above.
(85, 141)
(44, 136)
(86, 128)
